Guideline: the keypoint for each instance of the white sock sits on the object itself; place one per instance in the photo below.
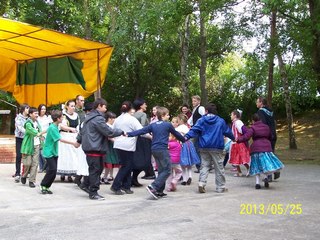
(258, 179)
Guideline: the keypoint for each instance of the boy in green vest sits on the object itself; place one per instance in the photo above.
(50, 151)
(30, 147)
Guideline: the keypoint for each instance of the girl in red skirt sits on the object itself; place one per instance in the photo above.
(239, 152)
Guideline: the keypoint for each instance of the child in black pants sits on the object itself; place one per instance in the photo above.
(50, 151)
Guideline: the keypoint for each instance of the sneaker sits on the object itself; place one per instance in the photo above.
(117, 192)
(49, 191)
(152, 192)
(32, 185)
(222, 190)
(258, 186)
(162, 194)
(276, 175)
(23, 180)
(127, 191)
(43, 190)
(96, 197)
(17, 179)
(201, 189)
(266, 182)
(189, 181)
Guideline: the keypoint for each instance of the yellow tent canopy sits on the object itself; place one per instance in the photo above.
(38, 65)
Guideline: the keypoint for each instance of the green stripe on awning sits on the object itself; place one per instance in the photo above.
(60, 70)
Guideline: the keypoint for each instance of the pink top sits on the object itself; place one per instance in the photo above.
(174, 151)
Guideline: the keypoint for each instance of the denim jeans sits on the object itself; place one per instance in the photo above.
(163, 161)
(209, 157)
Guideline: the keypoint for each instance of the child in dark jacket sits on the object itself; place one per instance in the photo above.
(263, 160)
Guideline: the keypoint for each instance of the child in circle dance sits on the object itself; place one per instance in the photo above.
(189, 156)
(111, 160)
(239, 152)
(174, 147)
(263, 160)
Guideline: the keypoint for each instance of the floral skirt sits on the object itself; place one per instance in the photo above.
(264, 162)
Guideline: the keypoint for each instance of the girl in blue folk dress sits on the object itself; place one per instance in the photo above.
(263, 160)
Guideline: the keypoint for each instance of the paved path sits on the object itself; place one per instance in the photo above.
(185, 214)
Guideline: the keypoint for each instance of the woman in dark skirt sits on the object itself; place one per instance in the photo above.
(142, 155)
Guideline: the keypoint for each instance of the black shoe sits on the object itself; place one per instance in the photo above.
(105, 181)
(189, 181)
(266, 183)
(276, 175)
(258, 186)
(23, 180)
(127, 191)
(184, 183)
(31, 184)
(162, 194)
(149, 177)
(136, 184)
(70, 179)
(62, 178)
(96, 197)
(84, 188)
(77, 180)
(116, 192)
(197, 171)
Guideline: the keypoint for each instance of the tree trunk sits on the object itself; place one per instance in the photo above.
(314, 8)
(286, 92)
(203, 57)
(185, 37)
(271, 56)
(285, 84)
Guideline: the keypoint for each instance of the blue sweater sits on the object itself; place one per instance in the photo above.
(210, 129)
(160, 134)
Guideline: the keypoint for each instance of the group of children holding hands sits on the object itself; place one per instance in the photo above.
(174, 154)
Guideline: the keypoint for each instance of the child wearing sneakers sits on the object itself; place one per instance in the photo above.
(160, 136)
(30, 147)
(50, 151)
(176, 170)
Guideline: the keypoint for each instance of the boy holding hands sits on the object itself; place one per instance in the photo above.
(50, 151)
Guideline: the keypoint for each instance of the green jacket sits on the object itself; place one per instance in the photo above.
(27, 146)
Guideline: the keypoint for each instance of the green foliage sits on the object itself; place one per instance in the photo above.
(146, 39)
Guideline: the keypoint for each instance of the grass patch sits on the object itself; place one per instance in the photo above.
(307, 132)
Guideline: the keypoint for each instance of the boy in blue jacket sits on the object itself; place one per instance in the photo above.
(211, 130)
(160, 137)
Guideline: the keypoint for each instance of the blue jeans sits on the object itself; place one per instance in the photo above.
(163, 161)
